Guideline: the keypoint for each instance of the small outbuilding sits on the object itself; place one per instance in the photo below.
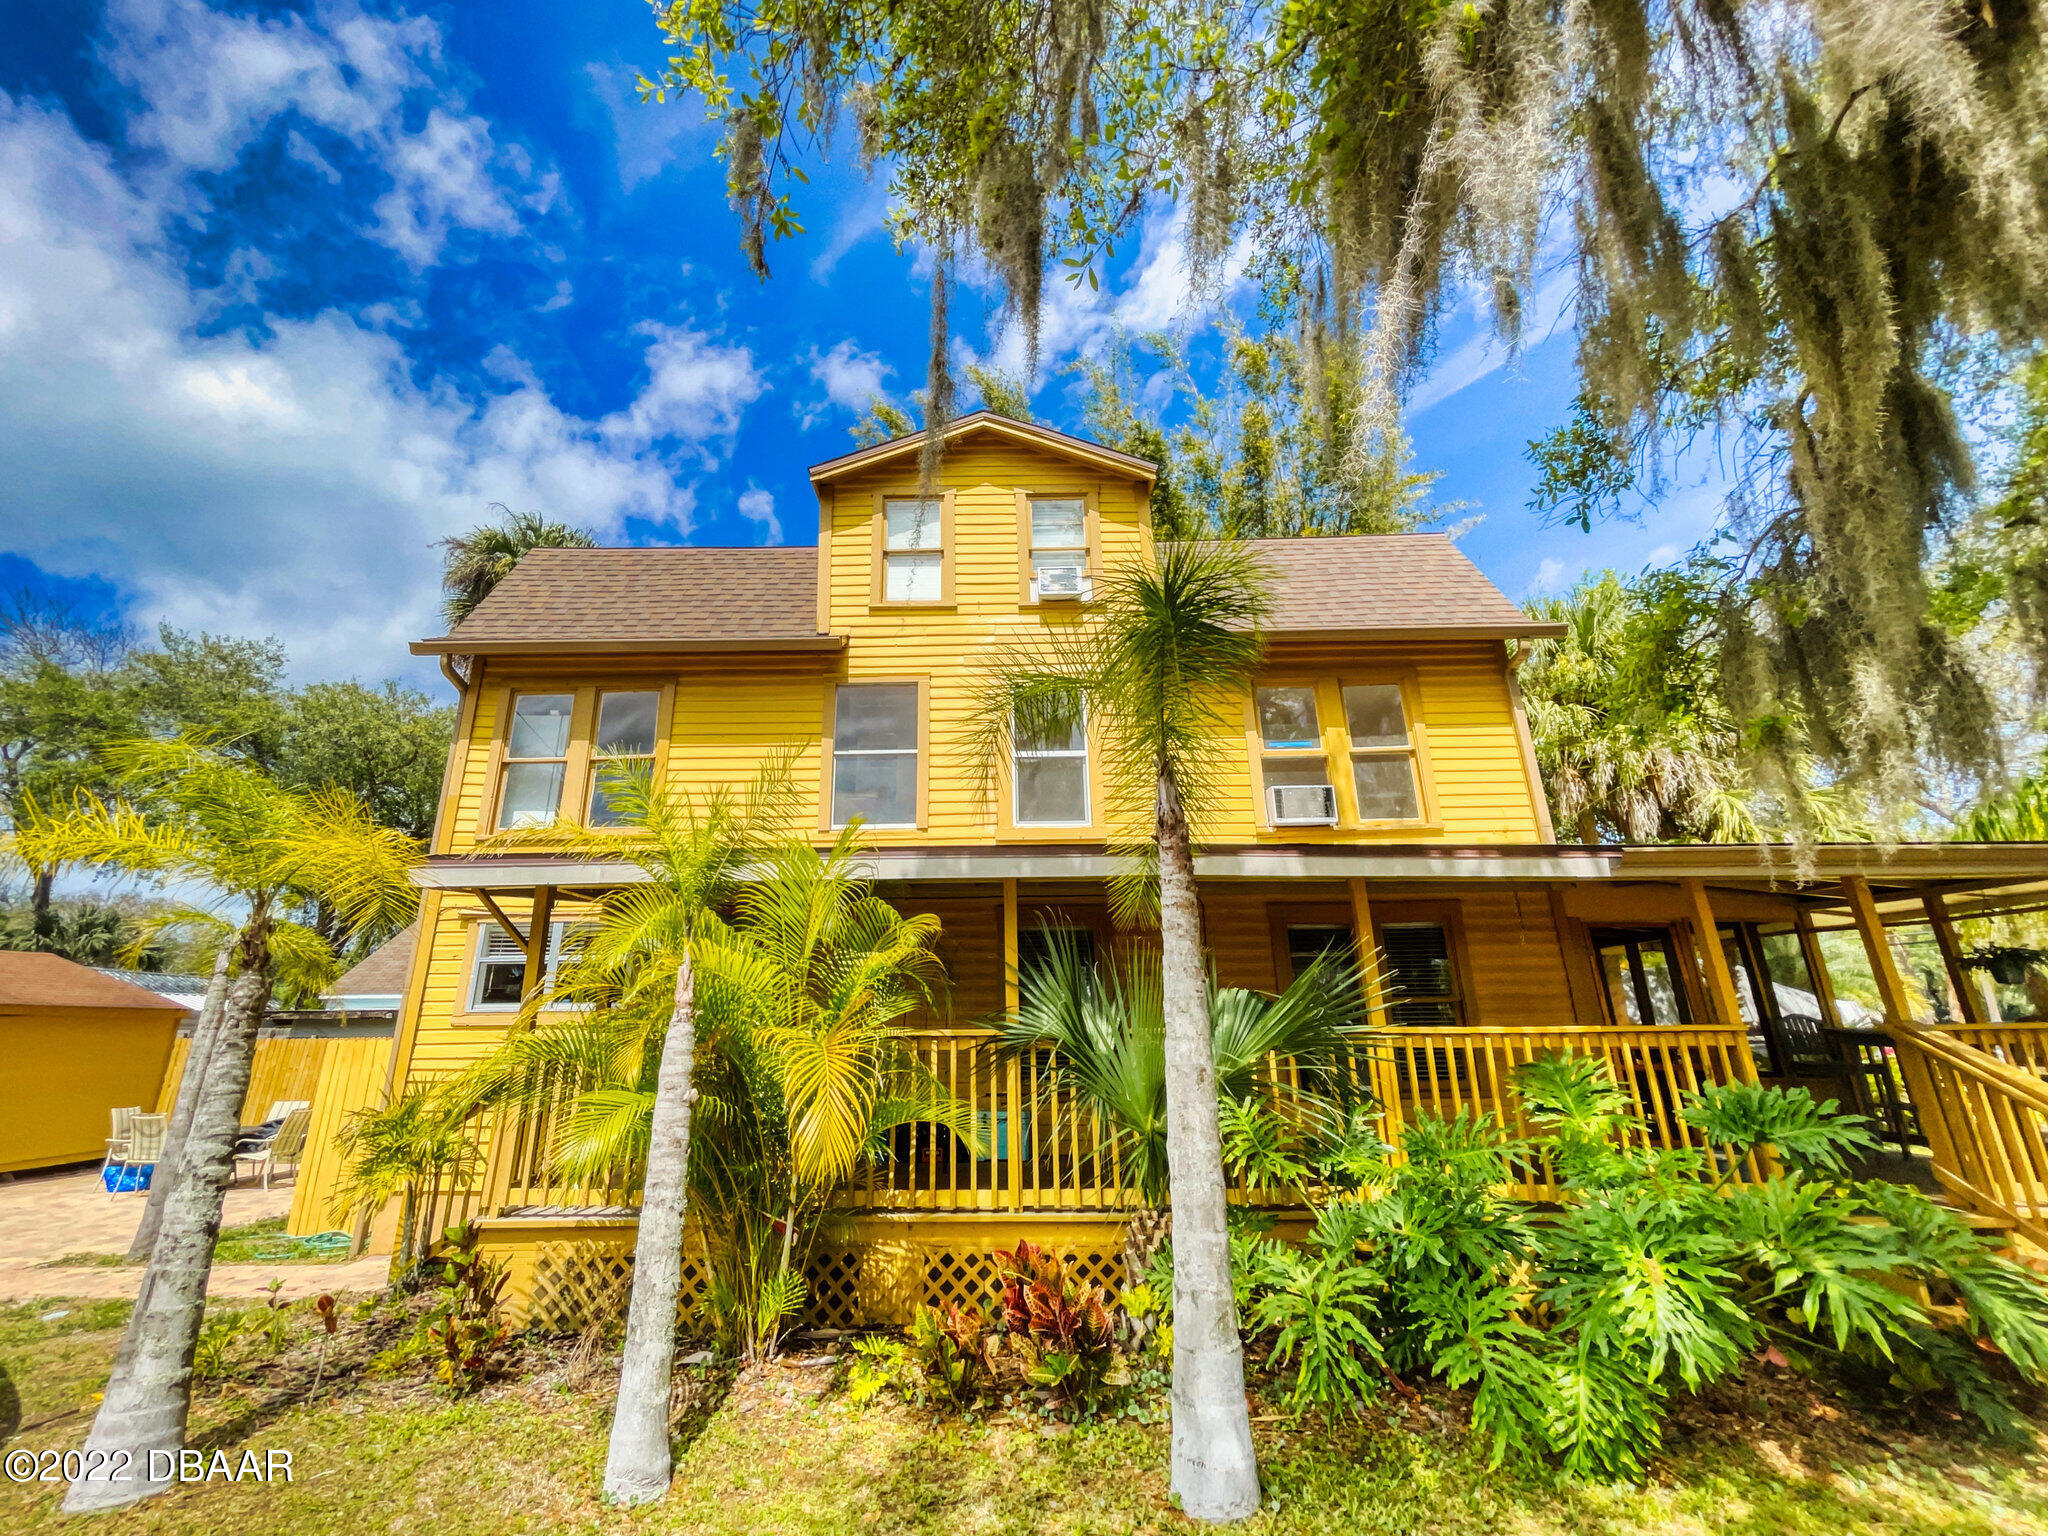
(74, 1046)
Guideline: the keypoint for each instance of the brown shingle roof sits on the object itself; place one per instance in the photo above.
(646, 599)
(1410, 584)
(1415, 585)
(51, 981)
(384, 970)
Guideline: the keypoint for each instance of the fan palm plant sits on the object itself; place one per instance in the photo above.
(1159, 667)
(1106, 1030)
(474, 562)
(189, 814)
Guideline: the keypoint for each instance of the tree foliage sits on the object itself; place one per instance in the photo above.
(1807, 229)
(474, 562)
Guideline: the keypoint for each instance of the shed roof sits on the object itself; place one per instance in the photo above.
(51, 981)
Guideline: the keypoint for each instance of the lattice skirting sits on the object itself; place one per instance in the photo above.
(877, 1283)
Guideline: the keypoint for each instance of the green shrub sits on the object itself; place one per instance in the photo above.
(1661, 1273)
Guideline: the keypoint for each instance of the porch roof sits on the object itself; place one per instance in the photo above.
(1978, 878)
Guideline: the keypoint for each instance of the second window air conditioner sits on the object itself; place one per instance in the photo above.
(1062, 581)
(1303, 805)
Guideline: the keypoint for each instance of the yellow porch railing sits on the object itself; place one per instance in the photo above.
(1036, 1150)
(1986, 1123)
(2023, 1044)
(1450, 1071)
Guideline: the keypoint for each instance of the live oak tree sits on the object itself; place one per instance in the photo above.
(1810, 230)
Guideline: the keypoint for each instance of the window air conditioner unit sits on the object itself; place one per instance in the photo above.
(1062, 581)
(1303, 805)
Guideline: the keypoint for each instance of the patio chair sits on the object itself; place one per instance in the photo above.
(132, 1159)
(123, 1121)
(286, 1145)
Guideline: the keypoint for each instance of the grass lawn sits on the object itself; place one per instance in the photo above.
(262, 1241)
(782, 1452)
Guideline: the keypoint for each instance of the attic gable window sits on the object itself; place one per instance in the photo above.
(1059, 538)
(536, 759)
(911, 554)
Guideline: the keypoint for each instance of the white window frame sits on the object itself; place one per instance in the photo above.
(935, 554)
(1033, 549)
(914, 752)
(1018, 753)
(480, 956)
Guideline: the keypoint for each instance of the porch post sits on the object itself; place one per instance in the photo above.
(1817, 968)
(1891, 987)
(1968, 999)
(1361, 923)
(1013, 1072)
(1713, 959)
(537, 939)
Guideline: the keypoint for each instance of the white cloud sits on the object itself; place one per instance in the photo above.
(696, 389)
(757, 505)
(207, 83)
(867, 217)
(291, 483)
(1485, 354)
(646, 136)
(851, 378)
(1552, 576)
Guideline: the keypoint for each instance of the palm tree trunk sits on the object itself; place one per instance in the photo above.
(1214, 1470)
(140, 1427)
(205, 1031)
(638, 1465)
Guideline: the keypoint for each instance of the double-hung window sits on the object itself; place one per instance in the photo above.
(536, 759)
(1050, 769)
(1290, 740)
(624, 744)
(497, 979)
(874, 754)
(1059, 539)
(1382, 753)
(913, 550)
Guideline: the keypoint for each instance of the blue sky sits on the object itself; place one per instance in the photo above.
(287, 293)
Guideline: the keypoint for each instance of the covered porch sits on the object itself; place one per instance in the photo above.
(1679, 966)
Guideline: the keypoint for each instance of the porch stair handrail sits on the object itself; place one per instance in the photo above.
(1986, 1124)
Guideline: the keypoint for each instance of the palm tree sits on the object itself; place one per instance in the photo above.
(1106, 1028)
(788, 1005)
(299, 959)
(642, 962)
(474, 562)
(192, 815)
(1159, 667)
(398, 1151)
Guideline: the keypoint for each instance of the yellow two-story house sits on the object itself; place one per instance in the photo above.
(1384, 793)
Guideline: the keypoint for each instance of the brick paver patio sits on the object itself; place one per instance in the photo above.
(44, 1216)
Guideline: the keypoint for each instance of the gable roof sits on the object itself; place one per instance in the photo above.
(989, 424)
(384, 971)
(1414, 586)
(51, 981)
(676, 599)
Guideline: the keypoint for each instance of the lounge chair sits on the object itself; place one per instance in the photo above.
(287, 1144)
(132, 1158)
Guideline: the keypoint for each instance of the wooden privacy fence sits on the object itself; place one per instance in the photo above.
(284, 1069)
(1986, 1123)
(1037, 1150)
